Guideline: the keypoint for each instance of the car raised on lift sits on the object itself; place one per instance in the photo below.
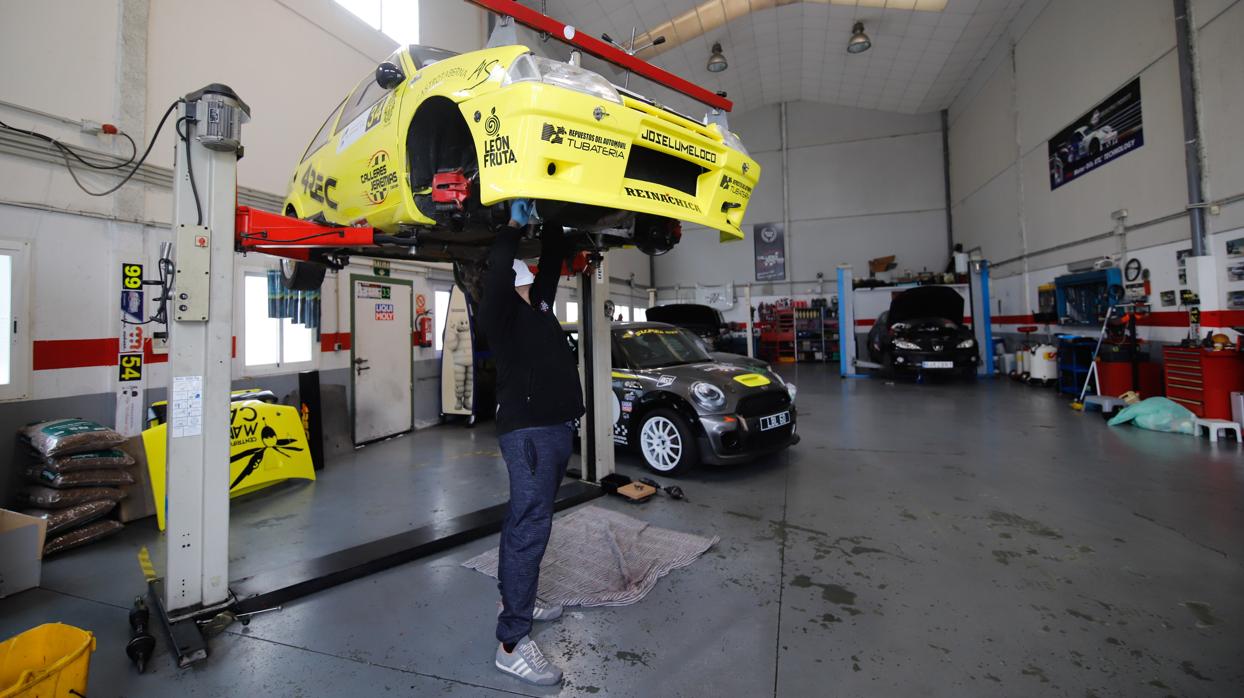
(428, 149)
(677, 405)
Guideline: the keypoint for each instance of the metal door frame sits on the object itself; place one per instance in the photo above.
(354, 346)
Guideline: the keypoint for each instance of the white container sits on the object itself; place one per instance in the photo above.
(1021, 362)
(1043, 364)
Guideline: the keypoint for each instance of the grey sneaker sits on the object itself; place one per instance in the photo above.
(541, 612)
(527, 662)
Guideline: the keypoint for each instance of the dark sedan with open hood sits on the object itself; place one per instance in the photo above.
(678, 406)
(923, 331)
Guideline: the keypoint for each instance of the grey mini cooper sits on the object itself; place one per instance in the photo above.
(677, 404)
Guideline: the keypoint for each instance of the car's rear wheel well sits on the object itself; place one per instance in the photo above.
(438, 139)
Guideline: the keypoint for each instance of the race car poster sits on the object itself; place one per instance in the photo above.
(770, 239)
(1104, 133)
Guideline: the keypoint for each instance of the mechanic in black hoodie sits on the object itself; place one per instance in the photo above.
(538, 399)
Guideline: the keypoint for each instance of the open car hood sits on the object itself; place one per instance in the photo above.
(927, 302)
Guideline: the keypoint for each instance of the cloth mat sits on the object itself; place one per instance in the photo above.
(598, 557)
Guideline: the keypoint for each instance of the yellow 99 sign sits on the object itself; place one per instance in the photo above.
(131, 276)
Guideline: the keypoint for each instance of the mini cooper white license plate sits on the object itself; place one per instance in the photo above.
(937, 364)
(774, 421)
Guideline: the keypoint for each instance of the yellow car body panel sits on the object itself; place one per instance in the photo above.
(267, 446)
(532, 139)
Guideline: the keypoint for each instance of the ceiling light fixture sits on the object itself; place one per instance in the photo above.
(859, 42)
(717, 60)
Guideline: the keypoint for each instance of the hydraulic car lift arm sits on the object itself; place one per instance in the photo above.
(602, 50)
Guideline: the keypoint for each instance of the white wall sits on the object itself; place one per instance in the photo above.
(1060, 58)
(863, 184)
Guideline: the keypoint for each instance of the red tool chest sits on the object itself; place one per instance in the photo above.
(1203, 380)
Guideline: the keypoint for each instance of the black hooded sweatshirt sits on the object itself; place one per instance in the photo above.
(537, 373)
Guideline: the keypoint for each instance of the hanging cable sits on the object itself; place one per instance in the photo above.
(194, 189)
(67, 152)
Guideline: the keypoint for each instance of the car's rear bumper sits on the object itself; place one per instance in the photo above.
(725, 442)
(544, 142)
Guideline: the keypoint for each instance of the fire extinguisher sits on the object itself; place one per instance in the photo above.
(423, 330)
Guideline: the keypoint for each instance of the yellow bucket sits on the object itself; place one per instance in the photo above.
(46, 662)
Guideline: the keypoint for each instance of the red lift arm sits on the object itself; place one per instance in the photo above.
(602, 50)
(274, 234)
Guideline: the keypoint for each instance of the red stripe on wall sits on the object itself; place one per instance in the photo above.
(51, 354)
(329, 340)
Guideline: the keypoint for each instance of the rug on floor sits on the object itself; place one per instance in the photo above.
(598, 557)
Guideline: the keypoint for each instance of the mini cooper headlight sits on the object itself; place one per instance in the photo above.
(529, 67)
(904, 344)
(966, 344)
(708, 396)
(790, 387)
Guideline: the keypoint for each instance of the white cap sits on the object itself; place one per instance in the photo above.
(522, 274)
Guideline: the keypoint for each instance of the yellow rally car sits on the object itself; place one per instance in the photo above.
(429, 148)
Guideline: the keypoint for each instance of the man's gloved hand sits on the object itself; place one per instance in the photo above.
(520, 212)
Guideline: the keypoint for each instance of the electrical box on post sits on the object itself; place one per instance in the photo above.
(193, 273)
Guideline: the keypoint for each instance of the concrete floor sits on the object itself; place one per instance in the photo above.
(940, 540)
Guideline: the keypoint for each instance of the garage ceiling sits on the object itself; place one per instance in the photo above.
(788, 50)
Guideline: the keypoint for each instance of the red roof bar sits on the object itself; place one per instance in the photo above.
(602, 50)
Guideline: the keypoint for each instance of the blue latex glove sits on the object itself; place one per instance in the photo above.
(520, 211)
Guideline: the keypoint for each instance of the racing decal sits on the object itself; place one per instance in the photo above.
(649, 330)
(378, 179)
(492, 125)
(677, 145)
(583, 140)
(353, 131)
(497, 151)
(664, 381)
(129, 367)
(633, 385)
(390, 103)
(736, 186)
(552, 134)
(482, 72)
(319, 187)
(384, 312)
(621, 434)
(628, 406)
(375, 113)
(752, 380)
(723, 368)
(619, 374)
(663, 198)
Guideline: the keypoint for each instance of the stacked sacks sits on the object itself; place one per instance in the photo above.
(75, 480)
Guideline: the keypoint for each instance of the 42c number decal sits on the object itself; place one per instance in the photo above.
(318, 187)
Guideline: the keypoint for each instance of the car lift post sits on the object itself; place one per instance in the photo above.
(596, 359)
(982, 321)
(847, 363)
(200, 367)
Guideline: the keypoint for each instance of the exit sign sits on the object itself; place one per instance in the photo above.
(381, 267)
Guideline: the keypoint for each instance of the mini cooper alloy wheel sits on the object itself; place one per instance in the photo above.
(661, 443)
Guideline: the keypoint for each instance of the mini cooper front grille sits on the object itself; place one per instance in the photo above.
(764, 404)
(650, 165)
